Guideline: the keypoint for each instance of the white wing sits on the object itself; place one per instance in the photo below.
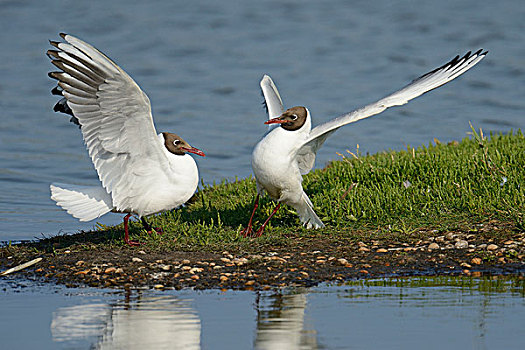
(417, 87)
(115, 118)
(272, 99)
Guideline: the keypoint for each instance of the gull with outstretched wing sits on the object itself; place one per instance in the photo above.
(141, 172)
(288, 149)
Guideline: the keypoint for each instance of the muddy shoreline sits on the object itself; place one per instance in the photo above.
(305, 261)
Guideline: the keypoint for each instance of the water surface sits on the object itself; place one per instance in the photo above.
(414, 313)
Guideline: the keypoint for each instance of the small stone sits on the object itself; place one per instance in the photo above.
(342, 261)
(305, 274)
(450, 236)
(67, 251)
(361, 244)
(185, 262)
(164, 267)
(440, 239)
(433, 246)
(80, 263)
(464, 264)
(141, 252)
(194, 277)
(476, 261)
(196, 270)
(320, 261)
(492, 247)
(223, 278)
(137, 260)
(364, 249)
(502, 260)
(381, 250)
(509, 242)
(225, 260)
(119, 270)
(110, 270)
(250, 283)
(217, 267)
(158, 286)
(186, 268)
(461, 244)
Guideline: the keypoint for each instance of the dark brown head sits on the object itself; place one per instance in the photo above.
(176, 145)
(292, 119)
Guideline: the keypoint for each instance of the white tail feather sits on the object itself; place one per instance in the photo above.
(307, 214)
(83, 202)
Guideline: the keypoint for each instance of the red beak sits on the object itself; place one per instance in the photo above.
(275, 121)
(194, 151)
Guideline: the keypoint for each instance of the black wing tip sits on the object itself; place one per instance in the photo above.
(57, 91)
(63, 35)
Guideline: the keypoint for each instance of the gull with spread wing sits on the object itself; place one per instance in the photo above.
(140, 172)
(288, 149)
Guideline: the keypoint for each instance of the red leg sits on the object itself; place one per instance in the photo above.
(126, 233)
(261, 230)
(248, 230)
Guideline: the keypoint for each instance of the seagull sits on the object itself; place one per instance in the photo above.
(141, 172)
(288, 149)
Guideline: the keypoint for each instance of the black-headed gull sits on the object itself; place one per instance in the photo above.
(288, 150)
(140, 172)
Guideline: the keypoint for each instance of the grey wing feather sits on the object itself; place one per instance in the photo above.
(417, 87)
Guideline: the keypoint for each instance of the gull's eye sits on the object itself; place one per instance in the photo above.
(294, 116)
(176, 142)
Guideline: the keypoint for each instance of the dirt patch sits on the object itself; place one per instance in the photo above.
(306, 261)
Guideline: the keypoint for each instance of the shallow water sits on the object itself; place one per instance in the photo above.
(201, 63)
(415, 313)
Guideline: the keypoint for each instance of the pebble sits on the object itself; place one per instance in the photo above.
(364, 249)
(492, 247)
(342, 261)
(141, 252)
(158, 286)
(80, 263)
(225, 260)
(450, 236)
(250, 283)
(476, 261)
(185, 262)
(164, 267)
(110, 270)
(186, 268)
(223, 278)
(461, 244)
(381, 250)
(195, 277)
(137, 260)
(433, 246)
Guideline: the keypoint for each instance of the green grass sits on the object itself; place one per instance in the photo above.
(439, 186)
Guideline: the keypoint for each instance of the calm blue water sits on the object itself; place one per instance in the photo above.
(399, 314)
(201, 62)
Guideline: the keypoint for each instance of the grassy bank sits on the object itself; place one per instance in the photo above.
(442, 209)
(390, 194)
